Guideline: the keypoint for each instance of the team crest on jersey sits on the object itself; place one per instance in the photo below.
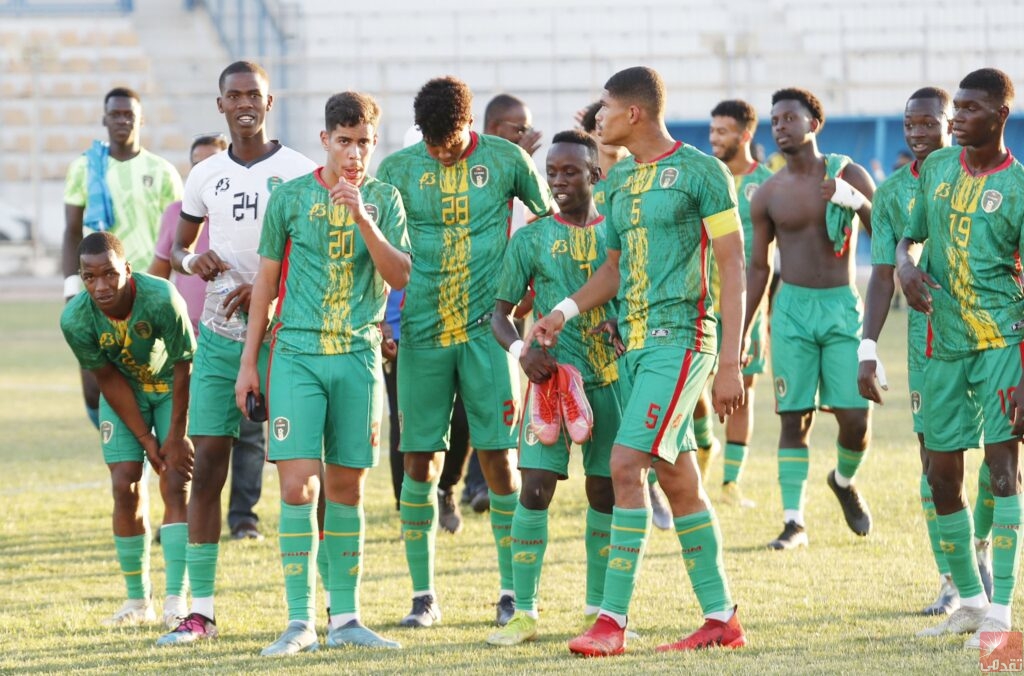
(372, 211)
(106, 430)
(780, 387)
(106, 340)
(273, 182)
(143, 330)
(479, 175)
(915, 401)
(668, 177)
(147, 181)
(223, 185)
(282, 426)
(990, 200)
(428, 178)
(749, 190)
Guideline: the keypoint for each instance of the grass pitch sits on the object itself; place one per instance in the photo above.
(845, 604)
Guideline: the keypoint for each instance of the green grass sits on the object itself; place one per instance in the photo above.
(845, 604)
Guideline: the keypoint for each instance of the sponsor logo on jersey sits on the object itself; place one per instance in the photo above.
(749, 190)
(780, 387)
(372, 211)
(318, 210)
(223, 185)
(942, 192)
(273, 182)
(659, 333)
(143, 330)
(479, 175)
(106, 430)
(668, 177)
(428, 178)
(106, 339)
(147, 181)
(559, 246)
(677, 421)
(915, 401)
(282, 426)
(990, 200)
(910, 205)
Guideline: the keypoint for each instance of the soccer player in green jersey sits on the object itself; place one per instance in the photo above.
(811, 207)
(559, 253)
(966, 210)
(733, 123)
(670, 207)
(926, 129)
(117, 186)
(132, 332)
(456, 186)
(333, 242)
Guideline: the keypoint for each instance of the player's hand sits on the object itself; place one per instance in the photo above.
(208, 265)
(727, 392)
(152, 449)
(838, 191)
(610, 327)
(869, 371)
(530, 141)
(546, 329)
(388, 346)
(915, 284)
(348, 195)
(179, 454)
(238, 299)
(538, 364)
(248, 381)
(746, 356)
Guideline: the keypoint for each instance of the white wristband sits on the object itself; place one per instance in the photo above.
(516, 349)
(847, 196)
(186, 263)
(867, 351)
(72, 285)
(568, 308)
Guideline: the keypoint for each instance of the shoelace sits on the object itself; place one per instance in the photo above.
(547, 401)
(572, 410)
(194, 624)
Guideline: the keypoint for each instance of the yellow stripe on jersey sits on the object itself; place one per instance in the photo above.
(723, 222)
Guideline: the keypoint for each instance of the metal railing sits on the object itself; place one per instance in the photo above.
(33, 7)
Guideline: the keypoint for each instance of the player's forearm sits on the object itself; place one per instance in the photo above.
(184, 242)
(502, 326)
(732, 299)
(264, 291)
(179, 400)
(602, 287)
(121, 397)
(864, 212)
(758, 275)
(881, 286)
(393, 264)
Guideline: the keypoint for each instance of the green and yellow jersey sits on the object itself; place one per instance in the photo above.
(458, 221)
(331, 297)
(145, 345)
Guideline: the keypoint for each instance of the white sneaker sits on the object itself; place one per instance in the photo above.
(947, 601)
(989, 625)
(175, 611)
(134, 611)
(964, 620)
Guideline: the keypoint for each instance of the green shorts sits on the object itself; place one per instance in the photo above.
(969, 397)
(916, 381)
(326, 406)
(211, 408)
(597, 451)
(428, 379)
(918, 340)
(815, 335)
(119, 444)
(660, 386)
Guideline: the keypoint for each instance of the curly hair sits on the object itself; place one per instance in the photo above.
(805, 98)
(739, 110)
(442, 108)
(993, 82)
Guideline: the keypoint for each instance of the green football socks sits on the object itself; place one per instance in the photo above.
(529, 541)
(1005, 548)
(299, 541)
(955, 530)
(702, 431)
(701, 541)
(984, 505)
(343, 540)
(793, 467)
(174, 540)
(629, 539)
(503, 508)
(596, 540)
(418, 512)
(735, 456)
(848, 462)
(931, 521)
(133, 555)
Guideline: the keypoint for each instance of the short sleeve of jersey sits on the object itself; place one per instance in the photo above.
(530, 187)
(716, 200)
(75, 192)
(391, 218)
(516, 270)
(887, 222)
(78, 333)
(179, 340)
(274, 235)
(192, 205)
